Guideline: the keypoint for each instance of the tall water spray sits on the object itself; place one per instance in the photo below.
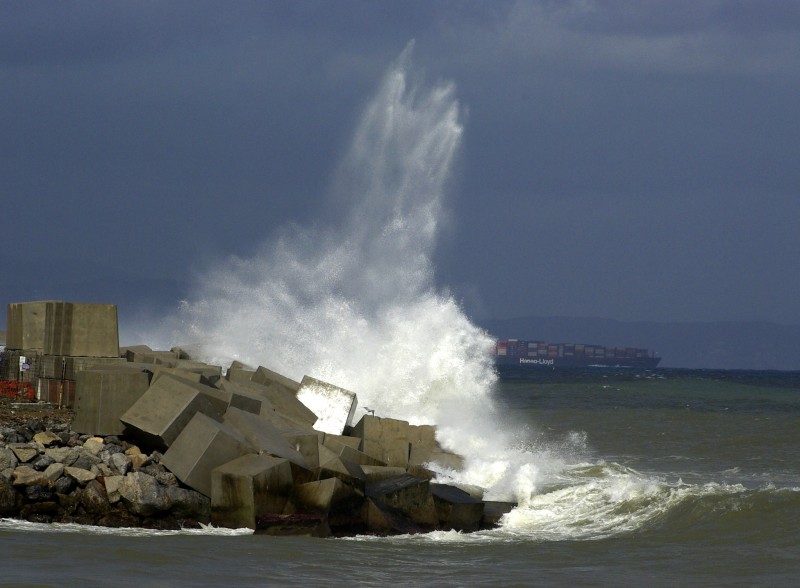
(356, 304)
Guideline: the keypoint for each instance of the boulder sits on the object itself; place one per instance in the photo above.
(143, 495)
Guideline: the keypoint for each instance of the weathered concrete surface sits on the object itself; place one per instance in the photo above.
(166, 407)
(73, 328)
(103, 396)
(248, 487)
(240, 397)
(202, 445)
(25, 325)
(334, 406)
(307, 444)
(281, 405)
(456, 509)
(408, 495)
(262, 435)
(333, 466)
(269, 378)
(323, 495)
(387, 440)
(375, 473)
(437, 458)
(493, 511)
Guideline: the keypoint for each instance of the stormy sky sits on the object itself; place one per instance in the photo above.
(633, 160)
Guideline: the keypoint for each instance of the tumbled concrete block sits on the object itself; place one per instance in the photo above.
(422, 436)
(103, 396)
(282, 404)
(456, 509)
(249, 487)
(262, 435)
(493, 511)
(323, 495)
(334, 406)
(203, 444)
(437, 459)
(384, 439)
(408, 495)
(267, 377)
(307, 444)
(238, 372)
(240, 397)
(376, 473)
(79, 328)
(333, 466)
(166, 407)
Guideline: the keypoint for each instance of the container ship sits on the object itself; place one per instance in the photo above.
(516, 356)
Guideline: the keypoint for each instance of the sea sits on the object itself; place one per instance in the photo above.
(663, 478)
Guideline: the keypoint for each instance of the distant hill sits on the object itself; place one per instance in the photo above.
(722, 345)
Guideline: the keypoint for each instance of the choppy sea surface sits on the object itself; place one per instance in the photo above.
(664, 478)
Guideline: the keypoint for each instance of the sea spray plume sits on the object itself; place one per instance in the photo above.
(356, 305)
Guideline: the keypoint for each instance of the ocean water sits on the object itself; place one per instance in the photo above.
(665, 478)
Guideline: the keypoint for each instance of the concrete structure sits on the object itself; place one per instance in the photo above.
(262, 435)
(25, 326)
(408, 495)
(387, 440)
(456, 509)
(280, 404)
(248, 487)
(81, 329)
(334, 406)
(161, 413)
(204, 444)
(105, 394)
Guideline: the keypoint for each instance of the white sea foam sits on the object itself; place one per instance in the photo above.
(72, 528)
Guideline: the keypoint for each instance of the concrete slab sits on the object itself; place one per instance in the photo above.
(384, 439)
(408, 495)
(103, 396)
(202, 445)
(166, 407)
(334, 406)
(248, 487)
(262, 435)
(456, 509)
(324, 495)
(282, 403)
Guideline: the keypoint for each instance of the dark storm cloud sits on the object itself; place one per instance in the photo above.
(621, 159)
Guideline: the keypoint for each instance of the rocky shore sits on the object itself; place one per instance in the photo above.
(49, 473)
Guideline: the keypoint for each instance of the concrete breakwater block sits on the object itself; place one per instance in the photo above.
(248, 487)
(78, 328)
(334, 406)
(283, 402)
(25, 325)
(408, 495)
(202, 445)
(456, 509)
(493, 511)
(166, 407)
(326, 495)
(103, 396)
(262, 435)
(387, 440)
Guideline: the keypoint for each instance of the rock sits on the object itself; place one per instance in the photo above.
(85, 460)
(64, 484)
(81, 476)
(27, 476)
(119, 463)
(42, 462)
(112, 484)
(8, 459)
(54, 471)
(94, 499)
(24, 452)
(47, 438)
(143, 495)
(65, 455)
(94, 445)
(8, 498)
(189, 503)
(38, 493)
